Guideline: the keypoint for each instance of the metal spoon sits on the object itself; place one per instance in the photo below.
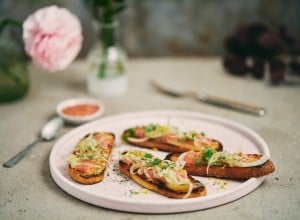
(48, 133)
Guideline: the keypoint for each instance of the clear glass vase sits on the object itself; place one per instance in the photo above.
(14, 76)
(107, 64)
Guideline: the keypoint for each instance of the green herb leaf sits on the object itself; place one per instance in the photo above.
(148, 155)
(150, 127)
(131, 132)
(154, 162)
(208, 153)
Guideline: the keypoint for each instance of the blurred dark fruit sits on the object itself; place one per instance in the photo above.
(295, 66)
(255, 30)
(277, 70)
(295, 48)
(258, 68)
(237, 44)
(236, 66)
(257, 43)
(286, 35)
(244, 41)
(253, 40)
(270, 43)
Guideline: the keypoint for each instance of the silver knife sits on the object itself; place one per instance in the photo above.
(213, 100)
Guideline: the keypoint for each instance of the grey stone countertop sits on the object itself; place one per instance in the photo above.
(29, 192)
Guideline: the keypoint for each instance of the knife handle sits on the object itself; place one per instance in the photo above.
(231, 104)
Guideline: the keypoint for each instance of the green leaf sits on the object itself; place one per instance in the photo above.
(150, 127)
(208, 153)
(90, 156)
(119, 8)
(154, 162)
(129, 133)
(8, 21)
(148, 155)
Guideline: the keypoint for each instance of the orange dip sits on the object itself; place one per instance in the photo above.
(81, 110)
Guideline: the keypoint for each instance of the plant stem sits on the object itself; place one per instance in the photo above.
(108, 35)
(102, 69)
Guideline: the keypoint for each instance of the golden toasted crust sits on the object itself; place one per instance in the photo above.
(160, 146)
(158, 143)
(87, 180)
(161, 188)
(227, 172)
(95, 178)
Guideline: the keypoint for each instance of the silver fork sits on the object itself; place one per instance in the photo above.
(213, 100)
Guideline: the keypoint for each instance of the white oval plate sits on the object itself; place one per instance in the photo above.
(119, 193)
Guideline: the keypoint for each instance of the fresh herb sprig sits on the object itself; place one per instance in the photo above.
(150, 127)
(129, 133)
(206, 156)
(208, 153)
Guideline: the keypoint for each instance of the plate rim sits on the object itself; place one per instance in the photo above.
(158, 206)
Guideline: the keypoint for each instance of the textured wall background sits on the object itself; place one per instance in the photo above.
(174, 27)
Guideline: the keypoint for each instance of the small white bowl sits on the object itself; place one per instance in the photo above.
(79, 101)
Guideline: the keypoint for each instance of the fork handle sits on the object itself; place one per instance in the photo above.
(231, 104)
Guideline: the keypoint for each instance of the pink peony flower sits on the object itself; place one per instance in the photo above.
(52, 38)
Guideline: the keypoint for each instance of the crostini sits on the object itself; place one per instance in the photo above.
(211, 163)
(168, 138)
(161, 176)
(89, 160)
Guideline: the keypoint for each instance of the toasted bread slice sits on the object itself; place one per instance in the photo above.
(160, 188)
(89, 160)
(144, 175)
(85, 179)
(225, 171)
(169, 139)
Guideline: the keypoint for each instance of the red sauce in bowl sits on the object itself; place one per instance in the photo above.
(81, 109)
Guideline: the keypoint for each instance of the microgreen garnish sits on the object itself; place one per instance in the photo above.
(208, 153)
(148, 155)
(154, 162)
(131, 132)
(90, 156)
(187, 136)
(150, 127)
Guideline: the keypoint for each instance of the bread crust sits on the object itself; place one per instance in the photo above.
(152, 144)
(160, 188)
(157, 143)
(227, 172)
(86, 180)
(94, 178)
